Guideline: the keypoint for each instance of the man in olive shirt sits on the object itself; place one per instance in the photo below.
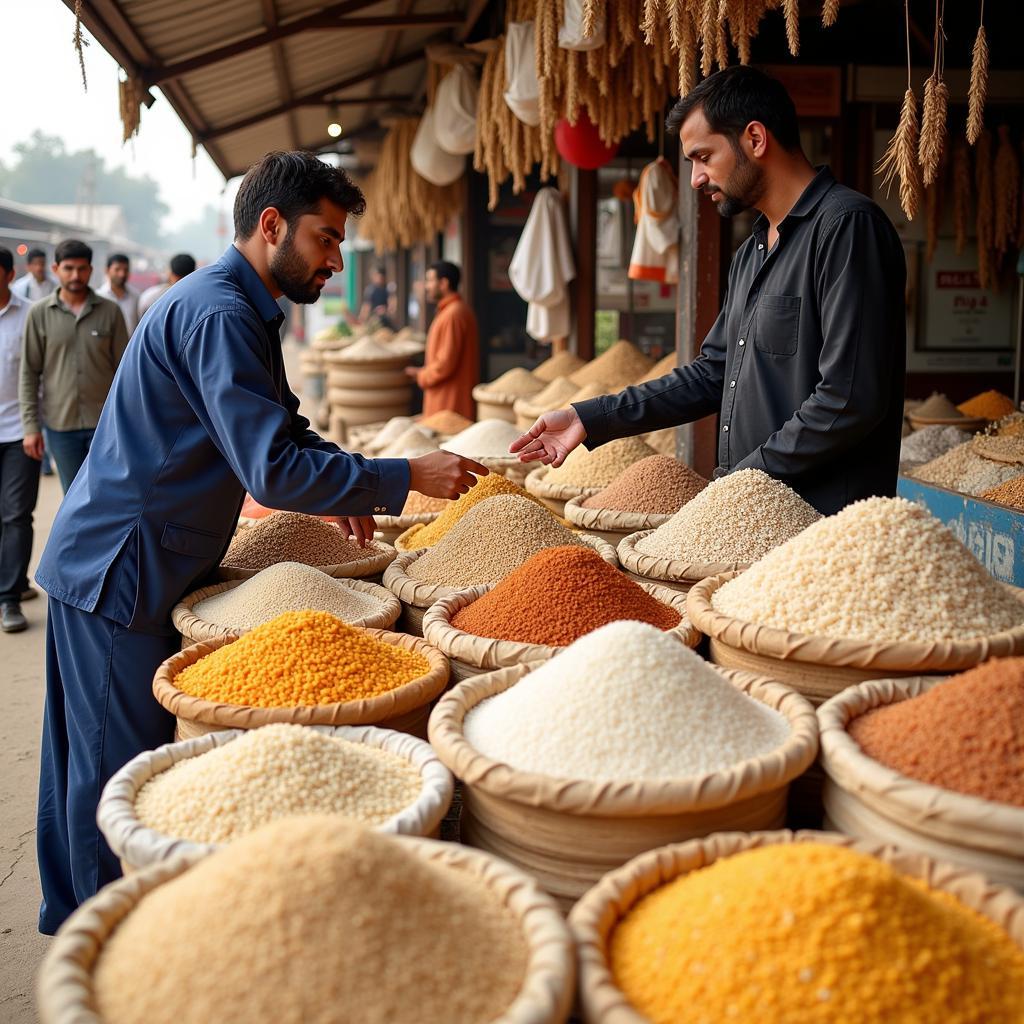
(73, 343)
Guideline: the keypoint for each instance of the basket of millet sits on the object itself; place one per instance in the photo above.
(194, 796)
(642, 497)
(459, 936)
(493, 538)
(495, 399)
(729, 524)
(419, 510)
(880, 589)
(934, 765)
(232, 608)
(797, 926)
(304, 668)
(294, 537)
(623, 741)
(547, 603)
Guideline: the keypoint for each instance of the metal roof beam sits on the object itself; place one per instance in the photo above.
(284, 84)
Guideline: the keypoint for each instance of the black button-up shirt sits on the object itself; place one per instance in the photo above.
(805, 363)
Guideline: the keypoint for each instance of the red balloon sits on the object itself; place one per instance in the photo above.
(581, 144)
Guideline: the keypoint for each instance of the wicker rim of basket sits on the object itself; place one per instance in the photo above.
(967, 423)
(744, 780)
(846, 763)
(903, 656)
(65, 984)
(341, 359)
(403, 522)
(538, 486)
(611, 519)
(595, 916)
(370, 710)
(383, 556)
(675, 570)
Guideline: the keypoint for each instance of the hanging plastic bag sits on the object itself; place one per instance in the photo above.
(522, 94)
(428, 159)
(455, 111)
(570, 35)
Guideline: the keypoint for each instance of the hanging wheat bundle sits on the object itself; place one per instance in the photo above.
(933, 127)
(979, 83)
(1007, 193)
(791, 10)
(985, 223)
(961, 193)
(130, 99)
(829, 13)
(649, 23)
(900, 160)
(592, 11)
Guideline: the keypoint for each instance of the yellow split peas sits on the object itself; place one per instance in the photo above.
(301, 658)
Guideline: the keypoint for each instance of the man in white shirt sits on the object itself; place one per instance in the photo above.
(19, 475)
(117, 288)
(181, 266)
(37, 282)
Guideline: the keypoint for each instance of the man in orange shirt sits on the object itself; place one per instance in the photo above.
(452, 363)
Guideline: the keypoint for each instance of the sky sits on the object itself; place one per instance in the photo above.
(43, 90)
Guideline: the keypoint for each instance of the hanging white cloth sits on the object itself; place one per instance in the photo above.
(522, 93)
(656, 246)
(455, 111)
(543, 266)
(570, 34)
(428, 159)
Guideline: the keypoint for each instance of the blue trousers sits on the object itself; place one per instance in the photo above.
(100, 712)
(68, 448)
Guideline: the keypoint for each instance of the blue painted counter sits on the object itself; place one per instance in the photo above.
(993, 533)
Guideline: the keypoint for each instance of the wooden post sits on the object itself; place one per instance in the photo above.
(586, 261)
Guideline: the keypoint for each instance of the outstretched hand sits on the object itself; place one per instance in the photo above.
(443, 475)
(551, 439)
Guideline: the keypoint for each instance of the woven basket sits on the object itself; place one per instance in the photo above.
(194, 629)
(405, 708)
(491, 405)
(369, 397)
(568, 834)
(473, 655)
(554, 496)
(820, 667)
(358, 416)
(374, 380)
(510, 468)
(595, 917)
(669, 572)
(968, 423)
(390, 528)
(611, 524)
(366, 568)
(870, 801)
(65, 993)
(343, 360)
(137, 846)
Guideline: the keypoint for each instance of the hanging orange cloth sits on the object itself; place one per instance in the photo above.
(656, 247)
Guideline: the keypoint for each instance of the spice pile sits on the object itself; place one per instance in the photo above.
(962, 469)
(625, 702)
(599, 467)
(417, 504)
(1010, 426)
(989, 405)
(301, 659)
(1005, 448)
(738, 518)
(620, 365)
(274, 772)
(559, 595)
(882, 570)
(561, 364)
(937, 407)
(293, 537)
(1010, 494)
(488, 439)
(517, 382)
(812, 933)
(285, 587)
(410, 444)
(929, 443)
(446, 422)
(965, 734)
(657, 484)
(493, 538)
(222, 941)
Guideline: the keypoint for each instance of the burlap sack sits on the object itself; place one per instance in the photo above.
(669, 572)
(65, 992)
(820, 667)
(137, 846)
(554, 496)
(568, 834)
(472, 655)
(405, 708)
(378, 557)
(595, 917)
(875, 803)
(608, 523)
(194, 629)
(493, 406)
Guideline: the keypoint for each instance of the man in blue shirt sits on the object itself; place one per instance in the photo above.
(200, 412)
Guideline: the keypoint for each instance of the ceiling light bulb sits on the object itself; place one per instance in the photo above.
(334, 129)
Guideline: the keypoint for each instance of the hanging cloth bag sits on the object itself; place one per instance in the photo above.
(428, 159)
(522, 94)
(455, 111)
(570, 35)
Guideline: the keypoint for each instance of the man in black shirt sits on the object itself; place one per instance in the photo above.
(805, 363)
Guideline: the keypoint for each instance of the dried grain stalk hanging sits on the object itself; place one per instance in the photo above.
(936, 103)
(985, 223)
(130, 99)
(1007, 193)
(961, 193)
(79, 42)
(979, 83)
(829, 12)
(934, 196)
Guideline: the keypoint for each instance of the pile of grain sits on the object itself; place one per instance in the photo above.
(285, 587)
(417, 504)
(292, 537)
(486, 439)
(929, 443)
(517, 382)
(882, 570)
(554, 396)
(738, 518)
(585, 394)
(1010, 426)
(1005, 448)
(989, 405)
(300, 921)
(663, 366)
(561, 364)
(411, 444)
(446, 422)
(965, 734)
(622, 364)
(274, 772)
(624, 702)
(366, 350)
(390, 432)
(559, 595)
(1010, 494)
(301, 659)
(817, 934)
(599, 467)
(938, 407)
(962, 469)
(493, 538)
(656, 484)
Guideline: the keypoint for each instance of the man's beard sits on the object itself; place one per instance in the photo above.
(743, 189)
(292, 275)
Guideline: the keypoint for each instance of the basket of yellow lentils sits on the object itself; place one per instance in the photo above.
(304, 668)
(808, 926)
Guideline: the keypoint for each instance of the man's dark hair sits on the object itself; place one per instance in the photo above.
(449, 271)
(182, 265)
(380, 270)
(735, 96)
(293, 183)
(72, 249)
(35, 254)
(117, 257)
(6, 260)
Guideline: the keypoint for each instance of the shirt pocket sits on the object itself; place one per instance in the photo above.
(777, 331)
(186, 540)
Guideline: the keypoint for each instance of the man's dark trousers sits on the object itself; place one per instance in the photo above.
(19, 488)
